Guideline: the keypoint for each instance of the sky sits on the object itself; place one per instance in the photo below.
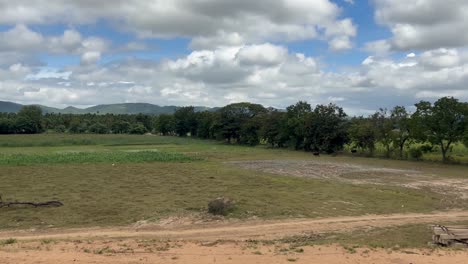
(359, 54)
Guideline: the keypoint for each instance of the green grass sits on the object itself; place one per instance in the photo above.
(8, 241)
(93, 157)
(95, 193)
(396, 237)
(51, 140)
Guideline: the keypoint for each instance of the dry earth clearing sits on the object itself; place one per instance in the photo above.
(360, 174)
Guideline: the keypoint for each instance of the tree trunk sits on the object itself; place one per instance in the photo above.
(445, 150)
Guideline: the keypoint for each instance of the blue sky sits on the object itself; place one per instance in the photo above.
(361, 55)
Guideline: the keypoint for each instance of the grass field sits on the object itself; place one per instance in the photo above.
(109, 180)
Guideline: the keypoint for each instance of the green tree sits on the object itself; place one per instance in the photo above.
(165, 124)
(98, 128)
(185, 121)
(205, 127)
(362, 134)
(144, 120)
(231, 119)
(442, 123)
(384, 126)
(325, 129)
(401, 135)
(274, 128)
(296, 115)
(29, 120)
(121, 127)
(77, 126)
(6, 126)
(138, 129)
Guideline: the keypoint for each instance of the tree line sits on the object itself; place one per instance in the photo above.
(320, 129)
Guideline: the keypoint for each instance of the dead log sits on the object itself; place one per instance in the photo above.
(33, 204)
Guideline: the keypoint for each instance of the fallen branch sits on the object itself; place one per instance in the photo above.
(42, 204)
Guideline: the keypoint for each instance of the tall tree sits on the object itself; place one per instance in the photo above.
(185, 121)
(383, 125)
(274, 128)
(441, 124)
(29, 120)
(325, 129)
(362, 134)
(296, 115)
(232, 118)
(402, 132)
(165, 124)
(205, 128)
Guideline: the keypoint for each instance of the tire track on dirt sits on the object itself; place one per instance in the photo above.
(256, 229)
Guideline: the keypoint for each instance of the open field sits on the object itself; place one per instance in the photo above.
(139, 183)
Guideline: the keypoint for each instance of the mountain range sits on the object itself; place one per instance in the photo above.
(126, 108)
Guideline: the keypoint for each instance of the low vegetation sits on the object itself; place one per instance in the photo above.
(112, 157)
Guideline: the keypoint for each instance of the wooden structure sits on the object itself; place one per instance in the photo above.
(450, 235)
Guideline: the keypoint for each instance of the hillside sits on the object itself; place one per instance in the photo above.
(127, 108)
(9, 107)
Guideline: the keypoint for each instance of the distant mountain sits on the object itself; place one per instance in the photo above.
(128, 108)
(9, 107)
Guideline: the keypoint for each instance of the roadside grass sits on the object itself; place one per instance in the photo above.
(8, 241)
(395, 237)
(94, 157)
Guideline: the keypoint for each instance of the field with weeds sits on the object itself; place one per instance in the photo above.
(115, 180)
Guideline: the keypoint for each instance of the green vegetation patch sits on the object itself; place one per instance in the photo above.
(396, 237)
(94, 157)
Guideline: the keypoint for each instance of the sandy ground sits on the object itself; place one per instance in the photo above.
(199, 243)
(359, 174)
(123, 251)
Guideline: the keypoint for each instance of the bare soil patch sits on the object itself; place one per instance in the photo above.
(148, 251)
(359, 174)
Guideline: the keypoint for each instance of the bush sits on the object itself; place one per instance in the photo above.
(220, 206)
(415, 153)
(98, 128)
(138, 129)
(426, 148)
(60, 129)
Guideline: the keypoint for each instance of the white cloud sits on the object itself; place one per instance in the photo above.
(424, 24)
(265, 54)
(208, 22)
(20, 37)
(90, 57)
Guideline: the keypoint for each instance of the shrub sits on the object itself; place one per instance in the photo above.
(138, 129)
(9, 241)
(98, 128)
(415, 153)
(60, 129)
(220, 206)
(426, 148)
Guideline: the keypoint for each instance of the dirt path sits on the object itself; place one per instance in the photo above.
(124, 252)
(197, 244)
(241, 230)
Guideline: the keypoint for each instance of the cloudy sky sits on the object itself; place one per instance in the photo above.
(360, 54)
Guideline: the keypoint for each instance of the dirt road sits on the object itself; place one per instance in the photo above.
(185, 242)
(239, 231)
